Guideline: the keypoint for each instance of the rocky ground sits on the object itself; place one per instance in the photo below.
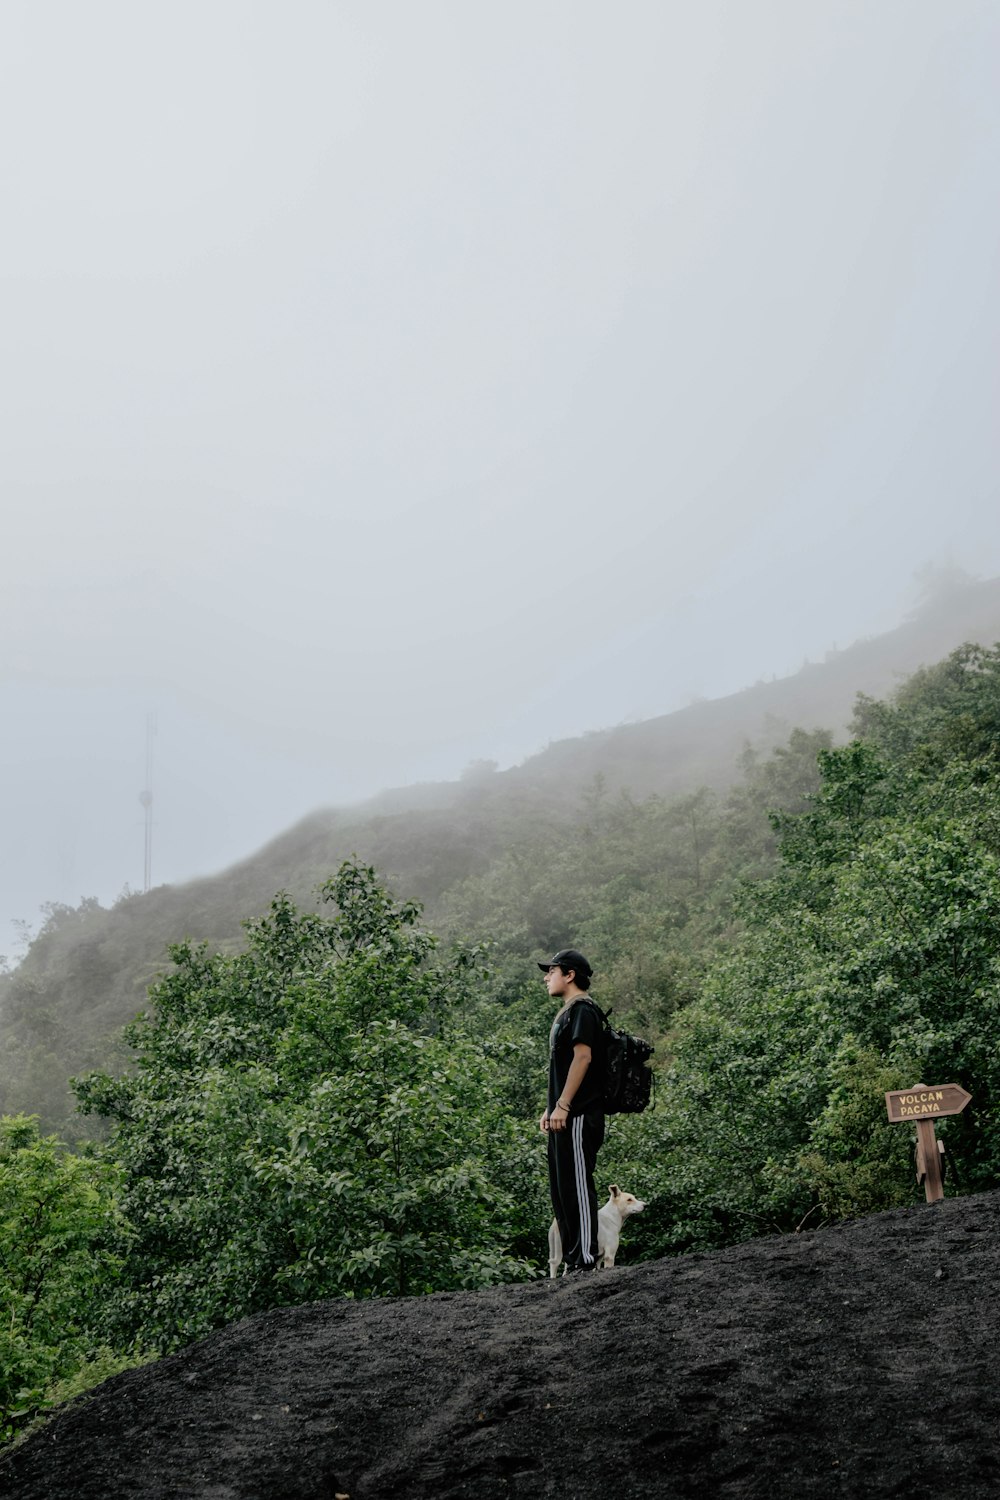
(860, 1360)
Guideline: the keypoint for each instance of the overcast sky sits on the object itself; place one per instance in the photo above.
(386, 385)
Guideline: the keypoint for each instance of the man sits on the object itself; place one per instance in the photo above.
(574, 1116)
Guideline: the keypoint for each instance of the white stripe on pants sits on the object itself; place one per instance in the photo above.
(582, 1195)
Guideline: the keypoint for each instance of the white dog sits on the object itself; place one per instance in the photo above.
(619, 1207)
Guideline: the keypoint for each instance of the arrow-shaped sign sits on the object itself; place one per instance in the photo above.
(926, 1101)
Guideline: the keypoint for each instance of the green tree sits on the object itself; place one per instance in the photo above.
(56, 1221)
(306, 1119)
(858, 1163)
(871, 955)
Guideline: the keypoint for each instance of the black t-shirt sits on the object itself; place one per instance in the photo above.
(580, 1022)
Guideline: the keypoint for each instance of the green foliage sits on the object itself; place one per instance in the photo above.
(56, 1220)
(648, 885)
(944, 712)
(871, 955)
(859, 1163)
(306, 1119)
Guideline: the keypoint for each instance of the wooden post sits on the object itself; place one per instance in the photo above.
(929, 1161)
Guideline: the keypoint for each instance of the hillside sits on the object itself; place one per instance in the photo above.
(856, 1360)
(701, 745)
(87, 972)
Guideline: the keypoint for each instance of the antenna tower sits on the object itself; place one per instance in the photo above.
(146, 798)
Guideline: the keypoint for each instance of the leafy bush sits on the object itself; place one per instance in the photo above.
(870, 960)
(306, 1119)
(56, 1220)
(858, 1163)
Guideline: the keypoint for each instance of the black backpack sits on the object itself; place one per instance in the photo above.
(628, 1078)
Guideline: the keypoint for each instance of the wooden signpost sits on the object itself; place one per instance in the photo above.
(922, 1104)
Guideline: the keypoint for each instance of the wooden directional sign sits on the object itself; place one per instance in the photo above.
(923, 1101)
(923, 1104)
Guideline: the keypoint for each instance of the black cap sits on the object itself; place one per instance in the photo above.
(569, 958)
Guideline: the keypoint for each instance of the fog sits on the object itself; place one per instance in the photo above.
(386, 386)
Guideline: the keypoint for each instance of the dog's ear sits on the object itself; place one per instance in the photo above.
(614, 1190)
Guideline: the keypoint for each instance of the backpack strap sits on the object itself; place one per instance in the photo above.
(605, 1015)
(606, 1025)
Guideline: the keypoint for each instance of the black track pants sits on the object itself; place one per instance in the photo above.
(572, 1157)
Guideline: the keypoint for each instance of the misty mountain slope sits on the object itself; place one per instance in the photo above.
(701, 744)
(87, 972)
(856, 1360)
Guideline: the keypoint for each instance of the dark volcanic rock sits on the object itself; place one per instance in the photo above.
(860, 1360)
